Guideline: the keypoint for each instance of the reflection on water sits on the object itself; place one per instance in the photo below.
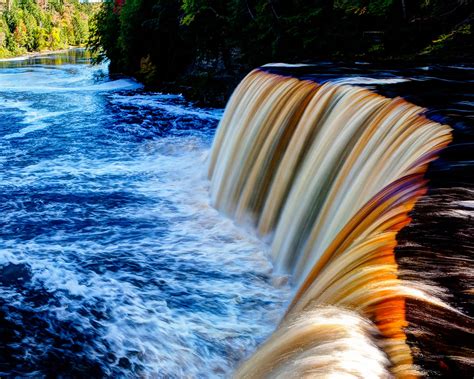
(71, 56)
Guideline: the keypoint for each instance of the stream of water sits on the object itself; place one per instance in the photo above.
(112, 261)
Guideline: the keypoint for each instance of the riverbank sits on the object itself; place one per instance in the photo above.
(204, 51)
(212, 87)
(35, 54)
(33, 27)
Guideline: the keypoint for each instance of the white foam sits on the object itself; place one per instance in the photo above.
(281, 64)
(67, 78)
(363, 80)
(35, 118)
(36, 122)
(161, 102)
(143, 324)
(15, 59)
(127, 230)
(468, 103)
(467, 203)
(462, 67)
(114, 85)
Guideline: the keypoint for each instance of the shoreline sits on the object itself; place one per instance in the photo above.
(36, 54)
(214, 88)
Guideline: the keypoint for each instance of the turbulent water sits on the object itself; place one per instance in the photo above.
(112, 260)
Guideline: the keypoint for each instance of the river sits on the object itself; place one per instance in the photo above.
(112, 260)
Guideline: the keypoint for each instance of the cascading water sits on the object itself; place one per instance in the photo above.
(113, 262)
(328, 174)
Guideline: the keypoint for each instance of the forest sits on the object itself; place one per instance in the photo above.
(198, 41)
(35, 26)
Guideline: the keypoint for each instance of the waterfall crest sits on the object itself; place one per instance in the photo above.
(328, 174)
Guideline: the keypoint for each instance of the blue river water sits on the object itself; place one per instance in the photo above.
(112, 261)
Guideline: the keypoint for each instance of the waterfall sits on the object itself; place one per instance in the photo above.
(328, 175)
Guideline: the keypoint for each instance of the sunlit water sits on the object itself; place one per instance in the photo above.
(112, 261)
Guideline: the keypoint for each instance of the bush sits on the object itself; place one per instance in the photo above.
(176, 36)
